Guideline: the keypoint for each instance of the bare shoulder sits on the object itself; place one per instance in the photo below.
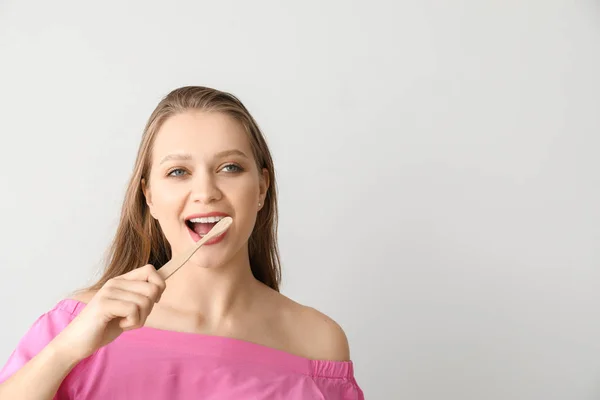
(328, 337)
(83, 296)
(317, 336)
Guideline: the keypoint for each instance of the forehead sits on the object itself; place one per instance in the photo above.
(201, 134)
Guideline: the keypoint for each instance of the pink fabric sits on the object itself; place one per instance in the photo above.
(150, 363)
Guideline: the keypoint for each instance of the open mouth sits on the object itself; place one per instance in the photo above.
(202, 225)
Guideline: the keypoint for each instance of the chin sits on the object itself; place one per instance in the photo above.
(207, 261)
(213, 255)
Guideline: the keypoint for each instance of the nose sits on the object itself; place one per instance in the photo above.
(204, 188)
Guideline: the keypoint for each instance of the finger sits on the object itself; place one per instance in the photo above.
(146, 273)
(144, 288)
(127, 311)
(145, 304)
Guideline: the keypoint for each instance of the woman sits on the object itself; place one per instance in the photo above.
(216, 329)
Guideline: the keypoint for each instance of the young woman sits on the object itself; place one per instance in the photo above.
(216, 329)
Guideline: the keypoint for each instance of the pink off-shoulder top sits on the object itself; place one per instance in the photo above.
(149, 363)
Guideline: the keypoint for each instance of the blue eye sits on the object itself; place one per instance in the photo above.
(173, 172)
(232, 168)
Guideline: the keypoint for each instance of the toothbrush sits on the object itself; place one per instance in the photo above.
(177, 262)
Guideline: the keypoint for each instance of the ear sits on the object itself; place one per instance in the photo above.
(147, 196)
(264, 186)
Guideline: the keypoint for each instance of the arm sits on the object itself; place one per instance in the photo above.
(333, 371)
(61, 338)
(40, 378)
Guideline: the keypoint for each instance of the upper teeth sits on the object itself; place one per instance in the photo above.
(206, 220)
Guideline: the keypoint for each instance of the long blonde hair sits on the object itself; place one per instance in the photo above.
(139, 240)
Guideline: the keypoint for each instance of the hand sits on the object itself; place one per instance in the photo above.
(122, 304)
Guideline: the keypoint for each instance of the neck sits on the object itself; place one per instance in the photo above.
(213, 293)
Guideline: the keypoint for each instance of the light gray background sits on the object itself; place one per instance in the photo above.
(437, 160)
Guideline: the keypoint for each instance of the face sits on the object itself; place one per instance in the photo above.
(203, 168)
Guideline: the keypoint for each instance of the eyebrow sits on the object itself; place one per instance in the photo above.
(187, 156)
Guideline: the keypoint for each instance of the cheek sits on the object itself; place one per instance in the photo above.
(166, 200)
(243, 197)
(244, 193)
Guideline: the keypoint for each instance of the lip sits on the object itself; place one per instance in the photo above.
(210, 214)
(195, 237)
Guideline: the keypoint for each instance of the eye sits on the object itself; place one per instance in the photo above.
(177, 172)
(232, 168)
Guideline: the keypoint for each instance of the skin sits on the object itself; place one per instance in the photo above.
(194, 171)
(215, 293)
